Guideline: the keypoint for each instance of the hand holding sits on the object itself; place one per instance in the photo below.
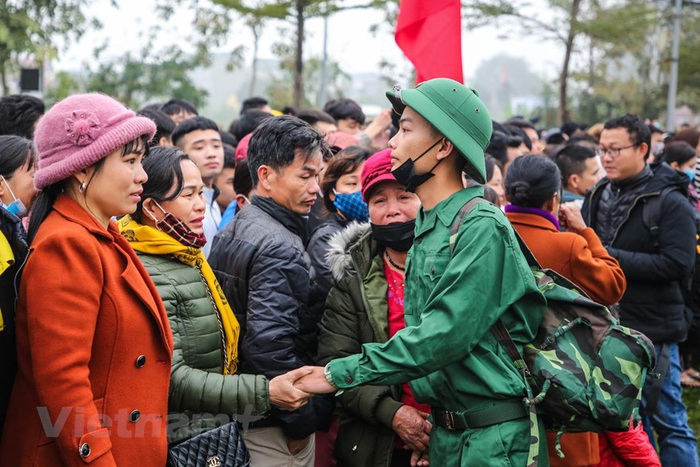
(420, 459)
(412, 427)
(315, 382)
(571, 217)
(284, 394)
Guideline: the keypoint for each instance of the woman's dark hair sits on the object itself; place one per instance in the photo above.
(47, 197)
(531, 181)
(15, 153)
(164, 169)
(345, 162)
(679, 152)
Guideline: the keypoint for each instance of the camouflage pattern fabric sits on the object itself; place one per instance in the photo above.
(587, 370)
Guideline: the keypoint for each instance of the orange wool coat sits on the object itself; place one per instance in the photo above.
(581, 257)
(583, 260)
(94, 352)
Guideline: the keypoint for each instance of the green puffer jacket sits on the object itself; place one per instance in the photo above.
(357, 313)
(201, 397)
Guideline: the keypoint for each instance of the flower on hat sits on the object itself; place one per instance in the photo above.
(82, 128)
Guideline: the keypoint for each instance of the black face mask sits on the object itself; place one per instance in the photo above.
(397, 236)
(405, 174)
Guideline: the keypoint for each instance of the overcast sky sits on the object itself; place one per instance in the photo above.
(350, 40)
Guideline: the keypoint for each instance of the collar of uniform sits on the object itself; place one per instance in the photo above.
(447, 209)
(74, 212)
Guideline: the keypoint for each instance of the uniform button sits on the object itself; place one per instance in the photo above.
(134, 416)
(84, 450)
(348, 379)
(140, 361)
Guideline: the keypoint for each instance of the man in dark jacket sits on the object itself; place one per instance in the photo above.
(657, 261)
(260, 261)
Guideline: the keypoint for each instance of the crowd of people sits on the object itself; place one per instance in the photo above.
(308, 276)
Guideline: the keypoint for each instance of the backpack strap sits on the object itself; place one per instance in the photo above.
(502, 335)
(651, 214)
(454, 229)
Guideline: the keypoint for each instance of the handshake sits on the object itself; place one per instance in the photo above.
(294, 389)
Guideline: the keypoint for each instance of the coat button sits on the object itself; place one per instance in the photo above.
(140, 361)
(134, 416)
(84, 450)
(348, 379)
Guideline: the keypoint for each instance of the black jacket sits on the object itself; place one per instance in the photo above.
(11, 228)
(318, 248)
(261, 263)
(656, 276)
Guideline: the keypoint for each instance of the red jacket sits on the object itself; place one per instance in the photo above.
(628, 448)
(94, 350)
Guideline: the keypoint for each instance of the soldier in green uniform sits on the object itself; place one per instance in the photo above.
(456, 289)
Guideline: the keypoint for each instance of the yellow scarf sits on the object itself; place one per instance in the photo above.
(7, 259)
(152, 241)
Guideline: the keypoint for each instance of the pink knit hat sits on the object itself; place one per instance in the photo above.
(79, 131)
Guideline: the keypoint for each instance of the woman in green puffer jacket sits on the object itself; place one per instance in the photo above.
(379, 425)
(166, 232)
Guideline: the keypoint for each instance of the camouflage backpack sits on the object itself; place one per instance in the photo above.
(584, 370)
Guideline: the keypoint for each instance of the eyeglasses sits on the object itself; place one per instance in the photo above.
(614, 152)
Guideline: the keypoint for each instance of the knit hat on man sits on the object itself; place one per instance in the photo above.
(79, 131)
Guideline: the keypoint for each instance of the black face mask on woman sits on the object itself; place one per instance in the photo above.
(405, 174)
(397, 236)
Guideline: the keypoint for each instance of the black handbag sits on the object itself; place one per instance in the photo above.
(220, 447)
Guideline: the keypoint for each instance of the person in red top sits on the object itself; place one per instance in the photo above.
(533, 188)
(379, 425)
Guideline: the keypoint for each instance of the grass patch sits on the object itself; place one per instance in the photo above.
(691, 398)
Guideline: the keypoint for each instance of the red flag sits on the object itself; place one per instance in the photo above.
(430, 34)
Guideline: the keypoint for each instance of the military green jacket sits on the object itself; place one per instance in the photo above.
(201, 397)
(447, 350)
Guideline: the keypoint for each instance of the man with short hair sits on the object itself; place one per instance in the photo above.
(199, 138)
(248, 122)
(529, 129)
(19, 114)
(459, 283)
(580, 171)
(261, 263)
(179, 110)
(256, 103)
(350, 118)
(164, 126)
(657, 259)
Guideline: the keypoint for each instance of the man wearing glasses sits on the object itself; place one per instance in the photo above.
(657, 259)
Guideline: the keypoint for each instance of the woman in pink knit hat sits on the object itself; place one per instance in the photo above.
(93, 341)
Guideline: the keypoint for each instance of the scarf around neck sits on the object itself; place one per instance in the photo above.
(152, 241)
(537, 212)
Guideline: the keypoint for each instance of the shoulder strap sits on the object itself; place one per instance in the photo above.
(651, 214)
(454, 229)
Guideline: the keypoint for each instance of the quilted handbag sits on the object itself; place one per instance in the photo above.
(220, 447)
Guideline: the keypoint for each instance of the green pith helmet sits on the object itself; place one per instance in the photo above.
(457, 112)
